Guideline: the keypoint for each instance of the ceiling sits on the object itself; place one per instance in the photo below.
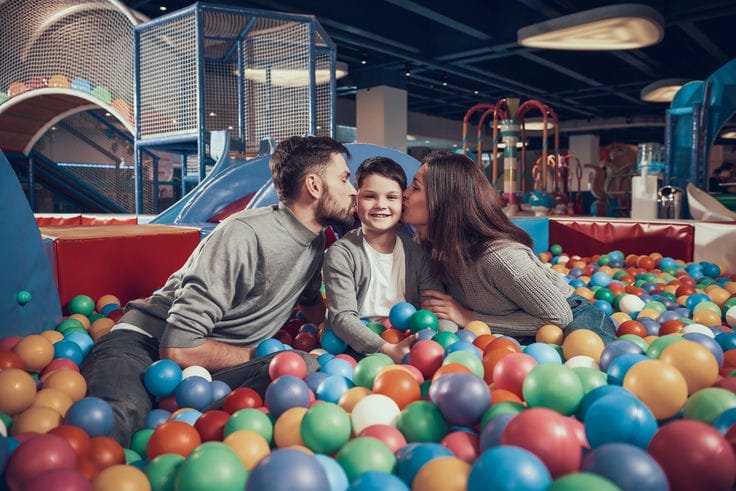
(464, 52)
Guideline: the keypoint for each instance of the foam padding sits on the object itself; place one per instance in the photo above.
(537, 228)
(129, 261)
(587, 237)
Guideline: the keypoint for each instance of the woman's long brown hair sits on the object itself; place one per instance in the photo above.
(465, 216)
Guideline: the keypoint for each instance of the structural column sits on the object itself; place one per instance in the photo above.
(381, 116)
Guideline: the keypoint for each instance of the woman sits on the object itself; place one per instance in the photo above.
(487, 262)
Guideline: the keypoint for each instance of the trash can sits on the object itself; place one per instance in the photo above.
(670, 202)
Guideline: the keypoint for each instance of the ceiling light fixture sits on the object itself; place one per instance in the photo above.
(613, 27)
(537, 124)
(162, 8)
(289, 77)
(731, 135)
(363, 62)
(662, 90)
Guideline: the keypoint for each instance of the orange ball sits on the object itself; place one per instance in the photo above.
(503, 344)
(442, 474)
(550, 333)
(82, 319)
(8, 359)
(173, 437)
(350, 398)
(694, 361)
(718, 295)
(53, 336)
(105, 452)
(36, 352)
(17, 391)
(249, 446)
(451, 368)
(106, 300)
(121, 478)
(36, 420)
(478, 328)
(659, 385)
(399, 385)
(632, 327)
(100, 327)
(393, 336)
(585, 293)
(69, 382)
(54, 399)
(583, 342)
(707, 318)
(620, 317)
(503, 395)
(491, 357)
(287, 430)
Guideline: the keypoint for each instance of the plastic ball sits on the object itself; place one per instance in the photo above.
(462, 398)
(242, 398)
(162, 377)
(59, 479)
(119, 477)
(288, 470)
(194, 392)
(250, 419)
(287, 363)
(463, 444)
(81, 304)
(268, 346)
(248, 446)
(325, 428)
(332, 388)
(286, 392)
(478, 328)
(398, 385)
(173, 437)
(426, 356)
(332, 343)
(212, 465)
(287, 429)
(374, 409)
(553, 386)
(695, 362)
(36, 352)
(162, 471)
(616, 349)
(617, 418)
(543, 353)
(361, 455)
(54, 399)
(618, 368)
(17, 391)
(707, 404)
(626, 466)
(400, 314)
(494, 466)
(423, 319)
(36, 420)
(196, 371)
(659, 385)
(37, 455)
(93, 415)
(373, 480)
(583, 342)
(414, 457)
(422, 421)
(69, 350)
(550, 334)
(510, 372)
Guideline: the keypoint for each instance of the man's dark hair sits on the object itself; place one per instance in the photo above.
(298, 156)
(383, 166)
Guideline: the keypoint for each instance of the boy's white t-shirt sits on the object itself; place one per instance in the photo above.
(387, 282)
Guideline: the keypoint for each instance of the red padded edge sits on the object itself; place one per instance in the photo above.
(234, 207)
(589, 237)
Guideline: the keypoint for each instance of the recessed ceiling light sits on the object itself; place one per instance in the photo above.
(108, 114)
(613, 27)
(475, 92)
(411, 138)
(454, 145)
(363, 62)
(162, 8)
(427, 141)
(213, 114)
(319, 127)
(731, 135)
(230, 128)
(662, 90)
(408, 74)
(444, 84)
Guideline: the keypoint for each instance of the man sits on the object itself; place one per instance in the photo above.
(237, 288)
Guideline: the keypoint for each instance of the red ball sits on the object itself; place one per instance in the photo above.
(242, 398)
(347, 358)
(60, 364)
(116, 314)
(8, 343)
(37, 455)
(684, 290)
(464, 445)
(426, 356)
(287, 363)
(389, 435)
(211, 425)
(694, 456)
(671, 327)
(76, 437)
(168, 403)
(284, 337)
(292, 327)
(105, 452)
(510, 372)
(305, 341)
(632, 327)
(173, 437)
(9, 359)
(59, 480)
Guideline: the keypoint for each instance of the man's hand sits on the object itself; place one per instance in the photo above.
(399, 350)
(446, 307)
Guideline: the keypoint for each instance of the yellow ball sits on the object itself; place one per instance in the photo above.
(121, 478)
(70, 382)
(249, 446)
(100, 327)
(585, 293)
(54, 399)
(694, 361)
(659, 385)
(550, 333)
(81, 318)
(106, 300)
(287, 430)
(443, 474)
(36, 352)
(36, 420)
(707, 318)
(583, 342)
(478, 328)
(730, 287)
(53, 336)
(620, 317)
(350, 398)
(649, 314)
(17, 391)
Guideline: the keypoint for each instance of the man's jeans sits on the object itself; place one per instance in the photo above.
(586, 316)
(115, 367)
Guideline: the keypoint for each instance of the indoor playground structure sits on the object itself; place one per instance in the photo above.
(216, 87)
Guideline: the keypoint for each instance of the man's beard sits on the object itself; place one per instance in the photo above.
(329, 212)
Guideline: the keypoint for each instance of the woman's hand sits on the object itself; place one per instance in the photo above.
(399, 350)
(446, 307)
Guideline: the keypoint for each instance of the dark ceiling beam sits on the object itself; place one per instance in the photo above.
(478, 51)
(542, 8)
(575, 75)
(704, 41)
(689, 11)
(440, 18)
(367, 35)
(640, 65)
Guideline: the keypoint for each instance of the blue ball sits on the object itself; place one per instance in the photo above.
(616, 349)
(324, 358)
(666, 263)
(162, 377)
(268, 346)
(338, 366)
(332, 343)
(332, 388)
(190, 416)
(335, 474)
(93, 415)
(69, 350)
(286, 392)
(709, 343)
(408, 463)
(725, 420)
(220, 390)
(465, 335)
(620, 365)
(462, 398)
(314, 379)
(726, 340)
(464, 346)
(627, 466)
(617, 418)
(543, 353)
(400, 314)
(3, 453)
(711, 270)
(616, 254)
(81, 339)
(600, 279)
(374, 480)
(494, 467)
(194, 392)
(603, 306)
(577, 283)
(651, 326)
(109, 308)
(598, 393)
(288, 470)
(309, 327)
(156, 418)
(695, 299)
(491, 434)
(428, 334)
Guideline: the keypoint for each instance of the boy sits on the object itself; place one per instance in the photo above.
(373, 267)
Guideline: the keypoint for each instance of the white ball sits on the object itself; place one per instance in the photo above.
(699, 328)
(196, 370)
(318, 352)
(731, 316)
(630, 303)
(3, 428)
(582, 361)
(374, 409)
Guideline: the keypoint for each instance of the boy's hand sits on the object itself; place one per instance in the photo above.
(399, 350)
(446, 307)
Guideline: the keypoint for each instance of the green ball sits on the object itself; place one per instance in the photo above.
(131, 456)
(470, 360)
(81, 304)
(424, 389)
(139, 441)
(250, 419)
(604, 294)
(729, 303)
(94, 316)
(669, 295)
(555, 249)
(619, 274)
(325, 428)
(7, 420)
(582, 481)
(445, 338)
(504, 407)
(604, 260)
(23, 297)
(68, 326)
(364, 454)
(553, 386)
(707, 404)
(376, 327)
(590, 378)
(367, 369)
(422, 421)
(617, 300)
(212, 465)
(162, 471)
(423, 319)
(636, 340)
(658, 345)
(658, 306)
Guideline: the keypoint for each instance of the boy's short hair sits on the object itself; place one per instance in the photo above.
(297, 156)
(383, 166)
